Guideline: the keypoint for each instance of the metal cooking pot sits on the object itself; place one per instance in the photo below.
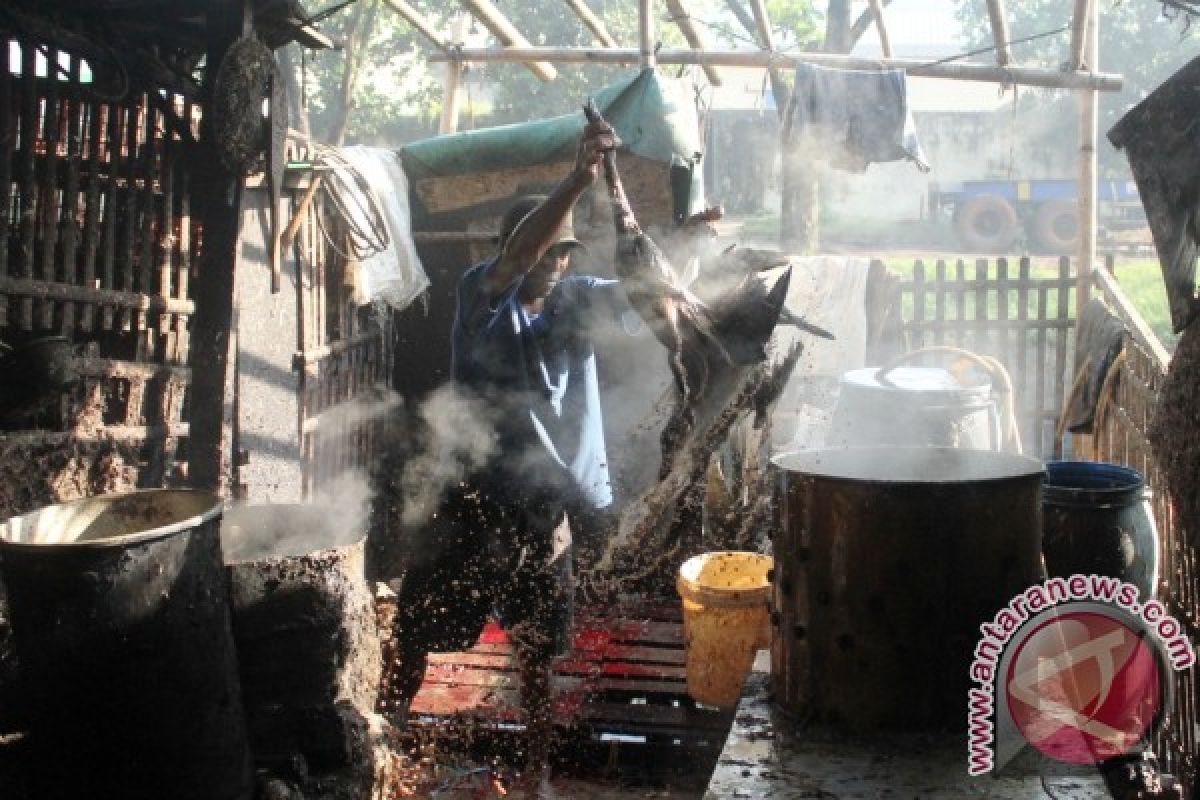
(912, 406)
(888, 560)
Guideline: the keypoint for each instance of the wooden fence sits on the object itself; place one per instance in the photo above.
(343, 361)
(1023, 319)
(97, 244)
(1121, 437)
(1027, 321)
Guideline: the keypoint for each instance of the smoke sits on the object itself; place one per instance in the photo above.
(456, 434)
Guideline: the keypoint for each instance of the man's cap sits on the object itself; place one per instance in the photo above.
(522, 207)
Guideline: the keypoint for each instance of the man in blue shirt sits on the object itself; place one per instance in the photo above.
(523, 353)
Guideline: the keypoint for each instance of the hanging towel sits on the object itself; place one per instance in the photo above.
(852, 118)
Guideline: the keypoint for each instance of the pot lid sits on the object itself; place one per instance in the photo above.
(927, 382)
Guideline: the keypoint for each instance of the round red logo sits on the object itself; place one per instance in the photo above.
(1083, 687)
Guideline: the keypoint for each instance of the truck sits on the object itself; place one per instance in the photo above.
(994, 215)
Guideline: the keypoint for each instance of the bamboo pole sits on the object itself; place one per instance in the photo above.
(452, 86)
(418, 21)
(495, 21)
(1079, 24)
(646, 55)
(693, 36)
(1000, 35)
(1089, 122)
(987, 73)
(885, 41)
(594, 23)
(762, 27)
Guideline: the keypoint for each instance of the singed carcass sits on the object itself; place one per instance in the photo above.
(701, 339)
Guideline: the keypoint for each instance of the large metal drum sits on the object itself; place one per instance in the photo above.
(120, 615)
(887, 562)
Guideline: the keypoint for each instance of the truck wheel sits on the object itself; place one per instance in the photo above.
(987, 223)
(1056, 226)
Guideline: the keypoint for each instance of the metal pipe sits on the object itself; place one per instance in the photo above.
(988, 73)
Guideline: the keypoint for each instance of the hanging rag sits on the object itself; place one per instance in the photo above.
(852, 118)
(371, 189)
(1099, 339)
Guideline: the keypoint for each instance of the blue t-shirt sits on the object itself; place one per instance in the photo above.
(538, 374)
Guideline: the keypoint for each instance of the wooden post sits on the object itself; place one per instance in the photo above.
(1000, 35)
(507, 33)
(1088, 125)
(1079, 24)
(762, 27)
(647, 56)
(693, 36)
(885, 42)
(594, 23)
(418, 21)
(216, 200)
(452, 89)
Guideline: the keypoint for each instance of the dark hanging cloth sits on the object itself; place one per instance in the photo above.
(1098, 342)
(852, 118)
(1159, 138)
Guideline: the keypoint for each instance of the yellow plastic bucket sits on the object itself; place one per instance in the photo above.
(724, 621)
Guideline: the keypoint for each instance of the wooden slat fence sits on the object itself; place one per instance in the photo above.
(1022, 317)
(1121, 437)
(343, 360)
(96, 244)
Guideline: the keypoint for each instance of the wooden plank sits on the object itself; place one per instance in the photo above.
(1003, 349)
(1021, 381)
(939, 310)
(979, 329)
(1039, 403)
(8, 139)
(566, 667)
(48, 188)
(97, 124)
(1061, 333)
(108, 251)
(918, 318)
(128, 301)
(27, 193)
(76, 118)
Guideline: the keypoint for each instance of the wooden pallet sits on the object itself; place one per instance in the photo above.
(624, 681)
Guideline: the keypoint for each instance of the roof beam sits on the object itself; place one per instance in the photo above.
(762, 32)
(1000, 36)
(885, 41)
(593, 23)
(693, 36)
(495, 21)
(962, 71)
(418, 21)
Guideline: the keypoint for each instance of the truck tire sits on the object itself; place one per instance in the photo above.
(1056, 226)
(986, 223)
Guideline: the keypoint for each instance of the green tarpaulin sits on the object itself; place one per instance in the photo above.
(654, 116)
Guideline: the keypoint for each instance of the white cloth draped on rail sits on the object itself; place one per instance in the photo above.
(369, 190)
(851, 118)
